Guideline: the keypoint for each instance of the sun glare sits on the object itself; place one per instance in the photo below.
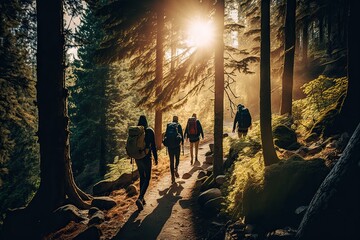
(200, 34)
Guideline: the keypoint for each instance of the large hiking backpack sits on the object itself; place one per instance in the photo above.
(135, 143)
(244, 117)
(192, 126)
(172, 136)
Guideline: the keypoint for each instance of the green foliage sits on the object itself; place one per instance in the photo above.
(322, 94)
(19, 153)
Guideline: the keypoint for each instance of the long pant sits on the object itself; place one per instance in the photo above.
(192, 145)
(144, 167)
(174, 153)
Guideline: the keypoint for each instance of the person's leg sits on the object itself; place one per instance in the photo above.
(177, 160)
(147, 172)
(141, 168)
(171, 155)
(192, 152)
(196, 150)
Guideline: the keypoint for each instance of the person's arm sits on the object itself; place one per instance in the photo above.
(201, 129)
(234, 126)
(181, 133)
(150, 143)
(186, 134)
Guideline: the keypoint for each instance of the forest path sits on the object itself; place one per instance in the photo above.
(171, 210)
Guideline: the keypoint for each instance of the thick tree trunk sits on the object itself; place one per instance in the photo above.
(334, 210)
(219, 89)
(269, 153)
(159, 71)
(289, 54)
(349, 116)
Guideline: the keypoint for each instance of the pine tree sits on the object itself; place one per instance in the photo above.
(88, 102)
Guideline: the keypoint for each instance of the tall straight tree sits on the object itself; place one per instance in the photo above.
(289, 54)
(159, 69)
(56, 183)
(350, 118)
(219, 88)
(269, 153)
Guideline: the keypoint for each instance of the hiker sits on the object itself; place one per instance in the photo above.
(242, 120)
(144, 164)
(192, 133)
(172, 139)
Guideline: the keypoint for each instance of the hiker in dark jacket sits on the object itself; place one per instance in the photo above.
(174, 148)
(144, 164)
(242, 120)
(192, 133)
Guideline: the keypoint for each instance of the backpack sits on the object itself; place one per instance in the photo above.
(135, 143)
(172, 136)
(244, 117)
(192, 126)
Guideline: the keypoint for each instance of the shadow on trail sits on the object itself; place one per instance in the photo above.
(151, 226)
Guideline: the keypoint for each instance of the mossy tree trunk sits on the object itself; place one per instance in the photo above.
(269, 153)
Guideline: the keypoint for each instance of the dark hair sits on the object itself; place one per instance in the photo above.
(143, 121)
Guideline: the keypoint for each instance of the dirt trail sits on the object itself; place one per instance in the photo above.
(169, 210)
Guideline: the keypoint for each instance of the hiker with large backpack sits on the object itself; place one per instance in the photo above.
(192, 133)
(140, 145)
(172, 139)
(242, 120)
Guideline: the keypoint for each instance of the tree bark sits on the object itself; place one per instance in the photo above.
(219, 89)
(57, 181)
(350, 117)
(269, 153)
(289, 54)
(333, 212)
(159, 71)
(305, 42)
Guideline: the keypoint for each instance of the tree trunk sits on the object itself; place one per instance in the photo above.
(333, 212)
(219, 89)
(159, 72)
(350, 118)
(305, 43)
(269, 153)
(289, 54)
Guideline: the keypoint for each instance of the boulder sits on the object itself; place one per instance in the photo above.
(104, 203)
(209, 194)
(91, 233)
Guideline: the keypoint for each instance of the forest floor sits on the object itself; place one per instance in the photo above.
(171, 210)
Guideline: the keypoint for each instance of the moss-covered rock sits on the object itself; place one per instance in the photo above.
(285, 137)
(286, 186)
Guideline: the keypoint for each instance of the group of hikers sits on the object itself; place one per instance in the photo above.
(141, 145)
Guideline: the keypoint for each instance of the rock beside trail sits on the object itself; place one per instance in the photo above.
(105, 187)
(91, 233)
(65, 214)
(104, 203)
(207, 195)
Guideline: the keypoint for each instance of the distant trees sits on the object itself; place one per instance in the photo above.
(19, 160)
(88, 102)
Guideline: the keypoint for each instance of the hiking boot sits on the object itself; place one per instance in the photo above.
(176, 173)
(139, 204)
